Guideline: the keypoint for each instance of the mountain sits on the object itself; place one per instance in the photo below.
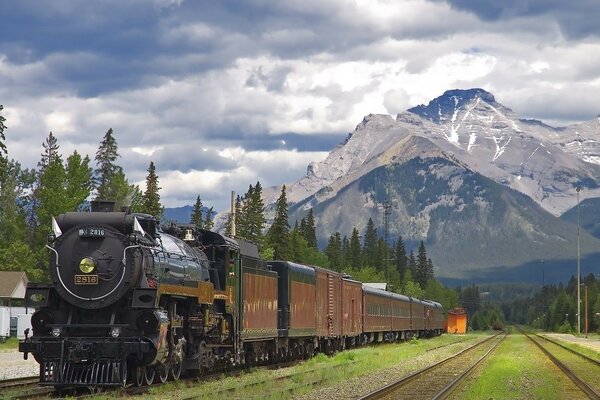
(481, 186)
(179, 214)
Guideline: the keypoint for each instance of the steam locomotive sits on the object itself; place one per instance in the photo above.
(130, 303)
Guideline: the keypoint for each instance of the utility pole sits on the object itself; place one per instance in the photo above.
(578, 273)
(586, 310)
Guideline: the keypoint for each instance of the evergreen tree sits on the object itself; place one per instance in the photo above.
(334, 252)
(50, 153)
(345, 251)
(256, 217)
(412, 264)
(278, 236)
(151, 198)
(208, 222)
(310, 232)
(400, 257)
(3, 151)
(354, 251)
(422, 275)
(196, 218)
(79, 181)
(104, 174)
(370, 248)
(242, 223)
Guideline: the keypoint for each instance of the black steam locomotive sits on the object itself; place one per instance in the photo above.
(130, 303)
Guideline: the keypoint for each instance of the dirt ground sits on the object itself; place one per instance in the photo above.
(593, 344)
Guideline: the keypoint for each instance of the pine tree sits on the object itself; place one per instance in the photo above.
(3, 151)
(151, 199)
(242, 223)
(400, 256)
(278, 236)
(412, 264)
(422, 275)
(310, 233)
(256, 216)
(196, 218)
(79, 181)
(208, 222)
(370, 248)
(345, 251)
(106, 156)
(354, 250)
(334, 252)
(50, 153)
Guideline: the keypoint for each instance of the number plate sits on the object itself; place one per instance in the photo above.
(86, 279)
(92, 232)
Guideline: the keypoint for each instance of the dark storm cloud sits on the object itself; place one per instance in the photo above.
(576, 18)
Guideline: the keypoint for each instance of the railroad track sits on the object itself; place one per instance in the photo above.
(18, 382)
(438, 380)
(584, 371)
(23, 388)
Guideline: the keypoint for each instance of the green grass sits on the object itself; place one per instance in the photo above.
(10, 344)
(516, 370)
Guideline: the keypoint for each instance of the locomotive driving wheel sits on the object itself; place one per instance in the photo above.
(139, 376)
(163, 372)
(176, 369)
(149, 374)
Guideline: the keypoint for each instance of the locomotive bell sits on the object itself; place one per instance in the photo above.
(188, 235)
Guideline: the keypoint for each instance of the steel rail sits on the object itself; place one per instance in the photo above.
(454, 384)
(392, 387)
(585, 357)
(587, 389)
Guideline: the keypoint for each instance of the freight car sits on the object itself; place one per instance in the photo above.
(129, 302)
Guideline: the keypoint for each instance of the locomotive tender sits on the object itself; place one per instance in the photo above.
(129, 303)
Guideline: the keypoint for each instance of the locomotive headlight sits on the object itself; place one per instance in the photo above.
(87, 265)
(115, 331)
(56, 331)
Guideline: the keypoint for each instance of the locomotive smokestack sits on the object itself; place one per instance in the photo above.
(233, 213)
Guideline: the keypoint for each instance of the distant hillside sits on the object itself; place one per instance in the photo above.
(180, 214)
(474, 228)
(589, 216)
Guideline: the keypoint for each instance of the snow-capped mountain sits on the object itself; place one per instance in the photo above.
(540, 161)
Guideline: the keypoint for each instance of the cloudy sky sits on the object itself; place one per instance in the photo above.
(220, 94)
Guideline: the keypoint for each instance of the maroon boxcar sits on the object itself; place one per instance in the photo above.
(259, 303)
(352, 311)
(328, 303)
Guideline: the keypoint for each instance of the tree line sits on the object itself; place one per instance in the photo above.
(554, 307)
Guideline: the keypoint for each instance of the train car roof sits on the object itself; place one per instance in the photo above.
(401, 297)
(304, 269)
(376, 291)
(415, 300)
(213, 238)
(316, 267)
(433, 303)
